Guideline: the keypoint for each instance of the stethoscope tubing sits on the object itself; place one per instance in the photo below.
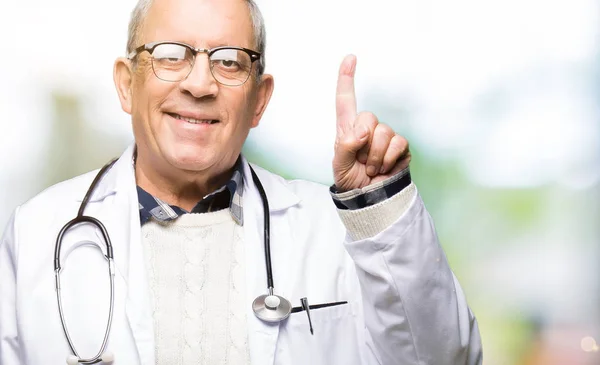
(80, 218)
(266, 231)
(95, 359)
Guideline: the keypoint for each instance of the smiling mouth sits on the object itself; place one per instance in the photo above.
(192, 120)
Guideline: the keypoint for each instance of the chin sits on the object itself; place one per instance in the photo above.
(179, 149)
(190, 162)
(194, 157)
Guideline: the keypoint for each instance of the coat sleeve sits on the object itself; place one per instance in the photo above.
(414, 308)
(9, 339)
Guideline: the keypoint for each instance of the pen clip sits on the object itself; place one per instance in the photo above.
(306, 307)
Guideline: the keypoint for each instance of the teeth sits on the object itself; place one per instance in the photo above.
(195, 121)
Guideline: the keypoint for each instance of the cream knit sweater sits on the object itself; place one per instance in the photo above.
(195, 268)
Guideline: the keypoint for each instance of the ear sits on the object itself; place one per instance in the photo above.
(265, 90)
(122, 76)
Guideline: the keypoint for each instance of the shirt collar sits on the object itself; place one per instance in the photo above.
(153, 207)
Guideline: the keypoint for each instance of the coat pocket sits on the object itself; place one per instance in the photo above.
(334, 341)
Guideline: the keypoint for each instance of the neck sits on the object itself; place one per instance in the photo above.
(179, 187)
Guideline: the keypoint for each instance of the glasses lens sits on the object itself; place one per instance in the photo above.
(172, 62)
(230, 66)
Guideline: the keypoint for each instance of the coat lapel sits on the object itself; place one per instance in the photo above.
(120, 213)
(262, 336)
(137, 304)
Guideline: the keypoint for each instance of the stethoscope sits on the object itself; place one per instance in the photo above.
(269, 307)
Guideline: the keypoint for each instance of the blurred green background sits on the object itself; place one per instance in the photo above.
(499, 100)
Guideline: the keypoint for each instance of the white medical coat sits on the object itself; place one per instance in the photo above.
(404, 304)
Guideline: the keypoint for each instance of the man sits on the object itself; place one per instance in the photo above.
(366, 274)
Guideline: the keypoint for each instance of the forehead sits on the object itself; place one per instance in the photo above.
(201, 23)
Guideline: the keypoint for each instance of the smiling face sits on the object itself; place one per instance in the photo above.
(194, 126)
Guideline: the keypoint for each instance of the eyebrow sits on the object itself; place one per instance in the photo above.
(209, 45)
(222, 43)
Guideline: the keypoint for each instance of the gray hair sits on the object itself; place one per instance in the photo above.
(142, 7)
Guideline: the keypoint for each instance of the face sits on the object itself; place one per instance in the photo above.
(170, 118)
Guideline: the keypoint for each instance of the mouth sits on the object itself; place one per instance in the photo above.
(193, 120)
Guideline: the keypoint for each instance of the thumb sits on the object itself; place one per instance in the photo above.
(361, 133)
(349, 145)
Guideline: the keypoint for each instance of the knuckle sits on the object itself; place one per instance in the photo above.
(367, 118)
(367, 115)
(375, 158)
(403, 140)
(400, 143)
(385, 131)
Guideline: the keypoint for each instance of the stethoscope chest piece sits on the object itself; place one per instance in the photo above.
(271, 308)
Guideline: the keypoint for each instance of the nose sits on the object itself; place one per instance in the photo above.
(200, 83)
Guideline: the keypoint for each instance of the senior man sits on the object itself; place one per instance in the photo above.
(188, 225)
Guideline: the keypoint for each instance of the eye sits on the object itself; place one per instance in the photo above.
(230, 61)
(167, 60)
(169, 53)
(168, 57)
(228, 64)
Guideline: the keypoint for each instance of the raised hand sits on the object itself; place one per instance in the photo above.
(366, 151)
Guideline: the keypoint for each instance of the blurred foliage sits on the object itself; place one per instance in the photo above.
(73, 146)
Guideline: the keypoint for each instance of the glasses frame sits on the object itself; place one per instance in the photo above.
(254, 56)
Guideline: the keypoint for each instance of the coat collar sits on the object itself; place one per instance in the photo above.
(121, 176)
(274, 185)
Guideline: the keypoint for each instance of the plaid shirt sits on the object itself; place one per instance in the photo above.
(371, 194)
(229, 196)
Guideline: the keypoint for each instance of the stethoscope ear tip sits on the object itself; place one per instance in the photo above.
(72, 360)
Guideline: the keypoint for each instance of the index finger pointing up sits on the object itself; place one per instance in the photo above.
(345, 99)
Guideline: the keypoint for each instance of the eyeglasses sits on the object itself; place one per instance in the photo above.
(173, 61)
